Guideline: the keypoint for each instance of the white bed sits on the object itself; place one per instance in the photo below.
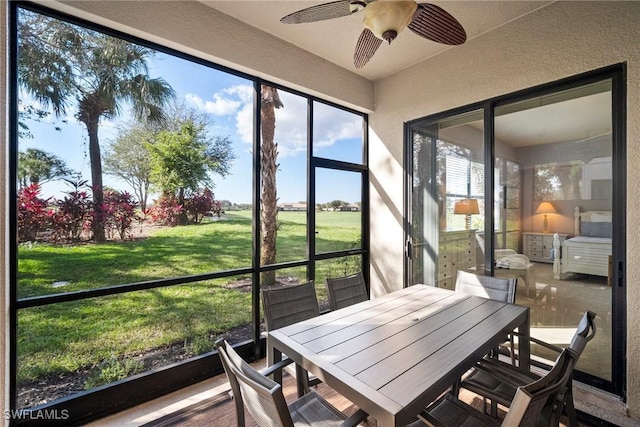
(589, 251)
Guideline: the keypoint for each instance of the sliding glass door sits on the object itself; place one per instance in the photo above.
(544, 171)
(563, 142)
(448, 200)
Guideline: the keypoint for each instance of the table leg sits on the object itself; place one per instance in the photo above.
(274, 356)
(524, 344)
(302, 380)
(302, 376)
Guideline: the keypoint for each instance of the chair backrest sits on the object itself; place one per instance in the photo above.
(542, 397)
(499, 289)
(262, 396)
(223, 351)
(345, 291)
(290, 304)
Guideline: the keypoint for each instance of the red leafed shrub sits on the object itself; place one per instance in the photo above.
(73, 214)
(202, 204)
(33, 216)
(119, 210)
(165, 211)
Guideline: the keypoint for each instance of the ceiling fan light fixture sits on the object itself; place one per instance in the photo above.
(387, 18)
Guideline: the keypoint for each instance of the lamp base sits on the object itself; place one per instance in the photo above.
(545, 225)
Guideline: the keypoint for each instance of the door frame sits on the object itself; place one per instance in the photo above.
(617, 74)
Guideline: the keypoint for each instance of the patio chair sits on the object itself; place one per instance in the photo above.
(508, 263)
(285, 306)
(532, 404)
(498, 381)
(345, 291)
(499, 289)
(265, 401)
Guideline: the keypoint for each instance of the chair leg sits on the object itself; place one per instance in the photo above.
(494, 408)
(571, 410)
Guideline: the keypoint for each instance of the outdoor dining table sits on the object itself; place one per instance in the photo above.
(393, 355)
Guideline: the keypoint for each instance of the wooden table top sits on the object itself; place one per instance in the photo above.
(393, 355)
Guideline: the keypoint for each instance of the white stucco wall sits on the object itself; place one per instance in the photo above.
(564, 39)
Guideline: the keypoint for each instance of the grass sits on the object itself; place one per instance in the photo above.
(67, 337)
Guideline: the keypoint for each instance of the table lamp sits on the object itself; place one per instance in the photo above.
(545, 208)
(466, 207)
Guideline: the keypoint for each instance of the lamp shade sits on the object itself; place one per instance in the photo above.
(466, 207)
(546, 208)
(386, 19)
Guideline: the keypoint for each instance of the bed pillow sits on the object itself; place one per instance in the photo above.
(596, 216)
(595, 229)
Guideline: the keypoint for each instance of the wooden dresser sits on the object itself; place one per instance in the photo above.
(456, 251)
(537, 246)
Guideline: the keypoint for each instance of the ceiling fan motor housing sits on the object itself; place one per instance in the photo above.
(387, 18)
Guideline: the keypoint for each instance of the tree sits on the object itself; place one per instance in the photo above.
(336, 205)
(270, 100)
(59, 63)
(128, 158)
(182, 160)
(37, 167)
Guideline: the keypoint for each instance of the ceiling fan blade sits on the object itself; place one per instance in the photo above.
(434, 23)
(367, 45)
(321, 12)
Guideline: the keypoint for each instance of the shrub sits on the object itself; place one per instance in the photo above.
(33, 216)
(166, 211)
(202, 204)
(119, 213)
(74, 213)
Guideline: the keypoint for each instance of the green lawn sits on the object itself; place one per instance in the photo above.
(71, 336)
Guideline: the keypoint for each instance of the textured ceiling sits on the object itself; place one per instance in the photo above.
(335, 39)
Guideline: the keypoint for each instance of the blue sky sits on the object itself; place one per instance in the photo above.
(229, 100)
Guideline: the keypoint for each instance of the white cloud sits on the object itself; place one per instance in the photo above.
(235, 100)
(220, 106)
(330, 124)
(224, 103)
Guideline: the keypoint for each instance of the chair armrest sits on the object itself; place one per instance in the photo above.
(355, 419)
(539, 342)
(270, 370)
(427, 419)
(505, 372)
(499, 253)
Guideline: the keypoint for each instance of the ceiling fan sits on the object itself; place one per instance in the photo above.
(384, 20)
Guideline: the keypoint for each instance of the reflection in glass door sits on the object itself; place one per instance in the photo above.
(447, 199)
(556, 209)
(563, 142)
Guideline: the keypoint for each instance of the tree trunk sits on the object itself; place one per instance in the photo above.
(183, 213)
(269, 167)
(97, 225)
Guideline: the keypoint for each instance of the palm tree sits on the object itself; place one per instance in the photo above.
(268, 167)
(37, 167)
(59, 62)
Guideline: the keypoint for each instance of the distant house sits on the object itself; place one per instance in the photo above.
(293, 207)
(350, 208)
